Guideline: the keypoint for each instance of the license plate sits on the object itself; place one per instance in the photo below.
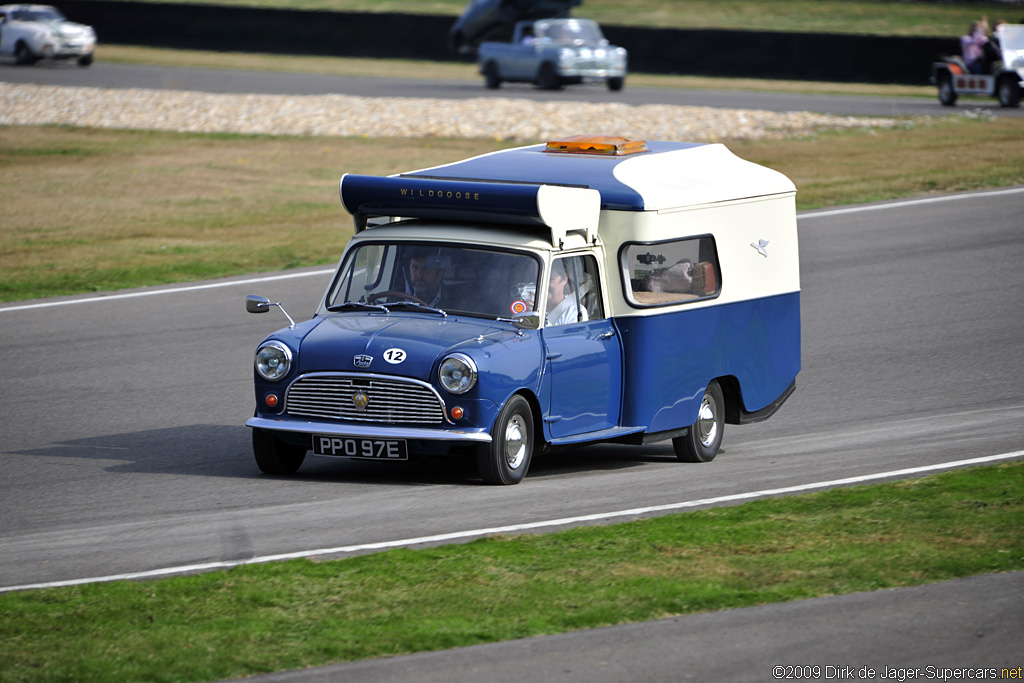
(359, 447)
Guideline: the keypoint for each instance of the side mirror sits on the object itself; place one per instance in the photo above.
(527, 321)
(261, 304)
(257, 304)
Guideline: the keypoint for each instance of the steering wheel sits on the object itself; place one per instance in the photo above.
(372, 298)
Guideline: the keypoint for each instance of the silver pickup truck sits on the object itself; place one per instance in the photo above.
(553, 53)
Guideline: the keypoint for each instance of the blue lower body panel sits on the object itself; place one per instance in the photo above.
(670, 358)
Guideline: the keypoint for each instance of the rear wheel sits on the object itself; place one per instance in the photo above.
(274, 456)
(506, 458)
(1008, 91)
(702, 442)
(947, 94)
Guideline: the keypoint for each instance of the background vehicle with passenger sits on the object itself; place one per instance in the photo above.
(1002, 78)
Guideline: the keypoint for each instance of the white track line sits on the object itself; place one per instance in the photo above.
(174, 290)
(910, 202)
(257, 280)
(516, 528)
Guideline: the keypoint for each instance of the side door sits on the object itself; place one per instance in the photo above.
(584, 352)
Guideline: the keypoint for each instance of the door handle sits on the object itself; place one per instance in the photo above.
(606, 335)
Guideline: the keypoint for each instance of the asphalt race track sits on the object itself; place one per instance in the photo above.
(125, 450)
(107, 75)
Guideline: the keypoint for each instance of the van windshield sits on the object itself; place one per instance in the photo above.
(455, 279)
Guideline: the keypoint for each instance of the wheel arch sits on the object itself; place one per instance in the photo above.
(540, 441)
(732, 392)
(735, 409)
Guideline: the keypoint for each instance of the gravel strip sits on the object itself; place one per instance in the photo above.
(345, 116)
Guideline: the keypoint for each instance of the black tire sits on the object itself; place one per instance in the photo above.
(505, 460)
(947, 94)
(85, 61)
(1008, 91)
(23, 55)
(702, 442)
(273, 456)
(615, 84)
(492, 81)
(548, 78)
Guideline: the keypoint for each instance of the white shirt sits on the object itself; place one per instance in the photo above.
(566, 312)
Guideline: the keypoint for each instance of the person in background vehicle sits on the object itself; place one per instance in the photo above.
(992, 50)
(562, 308)
(972, 46)
(528, 37)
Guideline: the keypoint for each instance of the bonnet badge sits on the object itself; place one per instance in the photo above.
(360, 400)
(760, 246)
(362, 361)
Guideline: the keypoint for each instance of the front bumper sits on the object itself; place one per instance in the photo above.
(67, 50)
(592, 73)
(467, 436)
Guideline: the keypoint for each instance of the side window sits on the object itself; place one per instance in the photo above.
(574, 291)
(670, 272)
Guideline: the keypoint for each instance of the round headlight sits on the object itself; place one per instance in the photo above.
(457, 373)
(273, 361)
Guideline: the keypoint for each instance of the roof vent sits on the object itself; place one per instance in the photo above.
(604, 145)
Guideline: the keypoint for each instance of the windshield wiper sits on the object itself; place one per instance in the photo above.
(420, 306)
(357, 304)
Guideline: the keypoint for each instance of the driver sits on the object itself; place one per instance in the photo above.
(426, 272)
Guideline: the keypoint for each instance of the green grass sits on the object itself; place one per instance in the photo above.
(263, 618)
(144, 208)
(881, 17)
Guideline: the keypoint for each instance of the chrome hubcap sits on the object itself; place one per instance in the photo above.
(515, 442)
(707, 424)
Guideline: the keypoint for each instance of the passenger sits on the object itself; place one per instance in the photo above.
(972, 46)
(562, 306)
(992, 50)
(426, 272)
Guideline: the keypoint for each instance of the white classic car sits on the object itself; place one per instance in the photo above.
(33, 32)
(553, 53)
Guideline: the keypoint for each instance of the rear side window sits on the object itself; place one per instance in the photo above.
(673, 272)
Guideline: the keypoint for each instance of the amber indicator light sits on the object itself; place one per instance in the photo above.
(605, 145)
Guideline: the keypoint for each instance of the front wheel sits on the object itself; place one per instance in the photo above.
(1008, 91)
(702, 442)
(615, 84)
(85, 60)
(492, 81)
(23, 55)
(506, 458)
(274, 456)
(947, 94)
(548, 78)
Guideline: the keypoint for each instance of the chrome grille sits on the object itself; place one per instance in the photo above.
(389, 400)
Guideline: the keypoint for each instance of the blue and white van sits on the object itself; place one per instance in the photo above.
(591, 289)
